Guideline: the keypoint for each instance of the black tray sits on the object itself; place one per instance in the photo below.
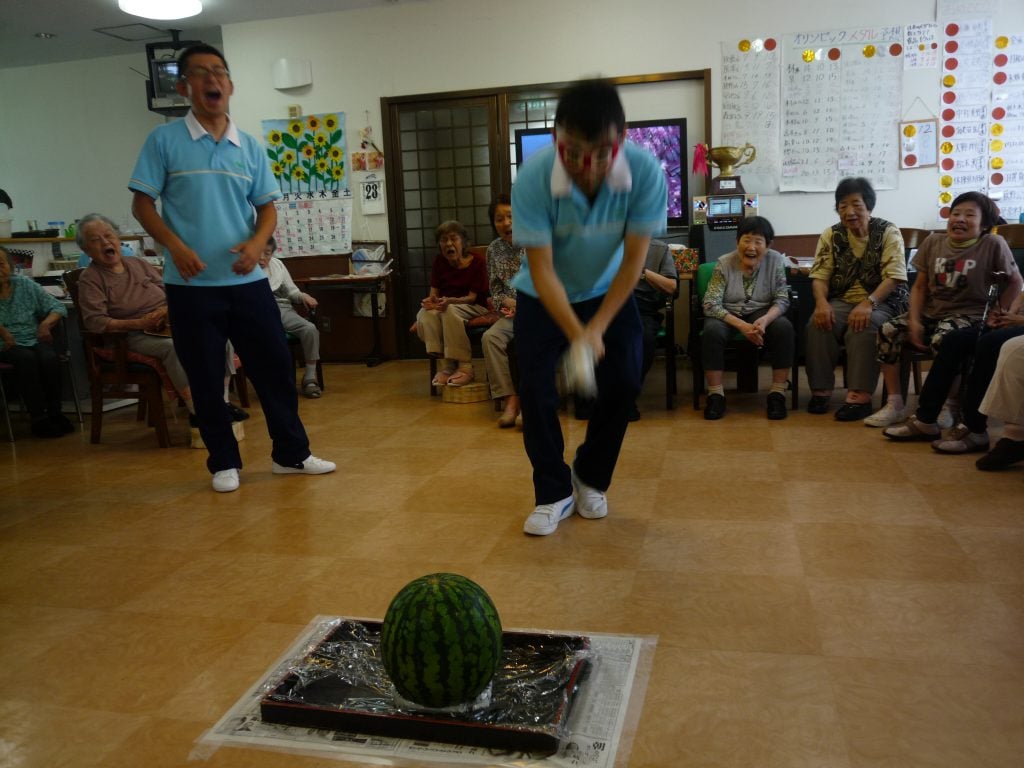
(327, 691)
(38, 233)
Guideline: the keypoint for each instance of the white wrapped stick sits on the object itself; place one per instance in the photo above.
(580, 362)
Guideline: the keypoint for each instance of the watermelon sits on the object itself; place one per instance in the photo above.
(441, 640)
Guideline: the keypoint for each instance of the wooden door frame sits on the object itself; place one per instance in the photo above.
(502, 172)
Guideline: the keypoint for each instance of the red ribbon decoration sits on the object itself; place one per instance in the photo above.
(700, 160)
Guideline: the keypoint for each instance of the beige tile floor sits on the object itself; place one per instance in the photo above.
(821, 598)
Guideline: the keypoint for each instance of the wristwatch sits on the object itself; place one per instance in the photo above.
(873, 300)
(643, 275)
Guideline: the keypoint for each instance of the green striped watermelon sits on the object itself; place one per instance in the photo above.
(441, 640)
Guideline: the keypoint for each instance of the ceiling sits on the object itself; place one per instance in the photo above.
(74, 23)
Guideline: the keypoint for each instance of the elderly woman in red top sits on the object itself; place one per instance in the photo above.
(458, 292)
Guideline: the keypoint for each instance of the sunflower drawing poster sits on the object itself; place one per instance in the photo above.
(307, 155)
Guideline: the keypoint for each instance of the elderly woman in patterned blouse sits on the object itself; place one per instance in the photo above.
(748, 293)
(503, 260)
(27, 317)
(859, 282)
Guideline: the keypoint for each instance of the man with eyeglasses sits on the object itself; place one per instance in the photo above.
(217, 195)
(585, 210)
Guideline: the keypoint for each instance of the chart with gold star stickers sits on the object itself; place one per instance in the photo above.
(842, 95)
(817, 106)
(982, 120)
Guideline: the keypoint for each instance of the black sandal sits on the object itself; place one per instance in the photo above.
(818, 404)
(854, 411)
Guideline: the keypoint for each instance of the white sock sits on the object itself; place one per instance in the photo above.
(779, 386)
(896, 401)
(310, 374)
(1013, 432)
(716, 389)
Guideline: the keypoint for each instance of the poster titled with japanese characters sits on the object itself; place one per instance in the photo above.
(750, 107)
(841, 95)
(921, 46)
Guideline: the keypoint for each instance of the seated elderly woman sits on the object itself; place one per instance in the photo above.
(954, 273)
(748, 293)
(27, 316)
(458, 292)
(503, 260)
(859, 280)
(288, 296)
(956, 350)
(116, 294)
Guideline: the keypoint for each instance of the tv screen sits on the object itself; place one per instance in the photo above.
(665, 139)
(529, 140)
(164, 73)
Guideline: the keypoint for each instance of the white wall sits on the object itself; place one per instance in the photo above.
(69, 136)
(71, 140)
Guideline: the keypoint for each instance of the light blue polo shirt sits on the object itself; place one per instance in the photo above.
(586, 239)
(208, 191)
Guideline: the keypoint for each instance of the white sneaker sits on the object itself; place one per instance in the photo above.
(546, 517)
(225, 481)
(590, 502)
(311, 466)
(946, 418)
(886, 416)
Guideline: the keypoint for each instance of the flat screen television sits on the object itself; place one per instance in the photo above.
(163, 74)
(665, 139)
(529, 140)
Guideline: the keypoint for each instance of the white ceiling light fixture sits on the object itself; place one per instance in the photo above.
(164, 10)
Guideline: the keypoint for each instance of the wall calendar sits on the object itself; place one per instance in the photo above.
(313, 227)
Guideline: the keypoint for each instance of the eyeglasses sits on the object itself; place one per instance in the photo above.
(200, 73)
(575, 155)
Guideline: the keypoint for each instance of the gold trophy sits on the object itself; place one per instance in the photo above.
(727, 160)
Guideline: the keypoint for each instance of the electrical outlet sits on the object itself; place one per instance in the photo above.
(294, 111)
(325, 324)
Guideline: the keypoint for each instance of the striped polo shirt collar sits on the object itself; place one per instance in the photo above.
(197, 131)
(619, 178)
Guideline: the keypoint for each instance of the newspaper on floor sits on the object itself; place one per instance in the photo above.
(599, 733)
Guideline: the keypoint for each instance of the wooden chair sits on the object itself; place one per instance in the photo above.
(6, 368)
(476, 327)
(119, 377)
(912, 239)
(667, 337)
(239, 383)
(1013, 234)
(745, 356)
(64, 359)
